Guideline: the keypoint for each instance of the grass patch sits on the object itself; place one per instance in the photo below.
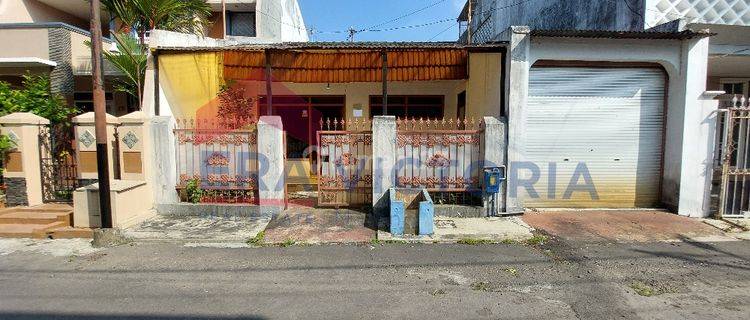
(537, 240)
(287, 243)
(258, 239)
(650, 289)
(394, 241)
(474, 242)
(643, 289)
(512, 271)
(480, 286)
(508, 241)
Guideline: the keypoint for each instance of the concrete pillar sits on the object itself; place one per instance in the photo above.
(134, 146)
(698, 146)
(23, 174)
(384, 161)
(162, 163)
(494, 155)
(86, 147)
(517, 92)
(271, 148)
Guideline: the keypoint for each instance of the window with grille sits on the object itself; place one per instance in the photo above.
(241, 24)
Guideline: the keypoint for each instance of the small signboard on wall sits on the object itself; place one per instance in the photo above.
(357, 112)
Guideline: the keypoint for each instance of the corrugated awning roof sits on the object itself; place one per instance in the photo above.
(341, 67)
(604, 34)
(365, 46)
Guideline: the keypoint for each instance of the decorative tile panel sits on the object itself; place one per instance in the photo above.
(13, 137)
(130, 139)
(87, 139)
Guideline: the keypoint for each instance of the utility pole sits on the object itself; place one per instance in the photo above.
(100, 116)
(224, 18)
(468, 29)
(352, 32)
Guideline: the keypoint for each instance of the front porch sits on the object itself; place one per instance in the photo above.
(324, 94)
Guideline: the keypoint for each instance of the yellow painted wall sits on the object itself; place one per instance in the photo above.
(484, 87)
(190, 81)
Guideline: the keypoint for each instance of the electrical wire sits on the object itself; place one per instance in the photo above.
(405, 15)
(311, 31)
(444, 31)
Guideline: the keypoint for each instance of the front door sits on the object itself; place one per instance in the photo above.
(301, 117)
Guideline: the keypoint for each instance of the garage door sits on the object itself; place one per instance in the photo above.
(596, 136)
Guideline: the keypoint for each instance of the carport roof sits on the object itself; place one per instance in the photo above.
(365, 46)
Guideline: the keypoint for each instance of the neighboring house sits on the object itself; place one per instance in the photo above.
(729, 20)
(614, 87)
(257, 21)
(245, 22)
(48, 36)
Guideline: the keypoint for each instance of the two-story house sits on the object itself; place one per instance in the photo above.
(614, 95)
(48, 37)
(729, 20)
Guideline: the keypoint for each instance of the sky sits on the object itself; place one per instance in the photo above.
(330, 19)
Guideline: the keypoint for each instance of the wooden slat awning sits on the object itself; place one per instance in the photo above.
(343, 66)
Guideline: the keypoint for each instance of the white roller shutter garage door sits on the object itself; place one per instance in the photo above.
(596, 136)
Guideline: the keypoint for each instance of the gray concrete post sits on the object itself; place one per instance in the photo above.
(162, 162)
(271, 182)
(494, 155)
(384, 161)
(517, 91)
(697, 161)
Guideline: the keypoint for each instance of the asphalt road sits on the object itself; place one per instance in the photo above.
(558, 280)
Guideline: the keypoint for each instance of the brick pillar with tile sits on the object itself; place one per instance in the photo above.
(23, 176)
(86, 147)
(134, 150)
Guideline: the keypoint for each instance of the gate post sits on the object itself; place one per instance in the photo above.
(383, 161)
(133, 151)
(23, 175)
(698, 144)
(494, 155)
(86, 147)
(271, 184)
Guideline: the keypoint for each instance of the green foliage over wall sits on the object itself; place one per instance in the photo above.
(35, 97)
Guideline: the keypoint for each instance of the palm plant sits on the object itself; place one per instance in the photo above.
(130, 59)
(188, 16)
(141, 16)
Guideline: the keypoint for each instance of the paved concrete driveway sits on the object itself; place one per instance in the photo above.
(621, 225)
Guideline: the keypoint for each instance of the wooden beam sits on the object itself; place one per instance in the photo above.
(384, 56)
(269, 90)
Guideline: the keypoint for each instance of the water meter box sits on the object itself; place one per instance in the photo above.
(493, 178)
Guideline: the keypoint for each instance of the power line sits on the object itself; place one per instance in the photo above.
(441, 32)
(351, 32)
(406, 15)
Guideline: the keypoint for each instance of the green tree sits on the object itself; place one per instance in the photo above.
(35, 97)
(130, 60)
(141, 16)
(6, 145)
